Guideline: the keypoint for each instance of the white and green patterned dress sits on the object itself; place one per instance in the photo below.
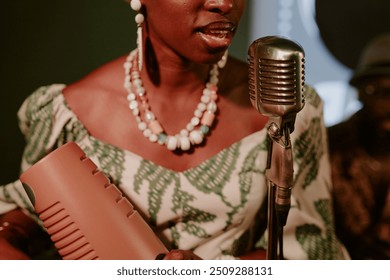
(215, 208)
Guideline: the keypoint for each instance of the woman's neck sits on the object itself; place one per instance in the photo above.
(172, 78)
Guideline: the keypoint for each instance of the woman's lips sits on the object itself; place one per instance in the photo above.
(217, 35)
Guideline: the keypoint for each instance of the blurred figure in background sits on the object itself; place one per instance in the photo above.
(360, 159)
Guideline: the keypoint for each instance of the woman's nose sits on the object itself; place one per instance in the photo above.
(219, 6)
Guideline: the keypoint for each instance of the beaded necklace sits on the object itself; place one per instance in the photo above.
(196, 129)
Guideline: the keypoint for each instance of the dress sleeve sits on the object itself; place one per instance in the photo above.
(38, 118)
(41, 118)
(309, 232)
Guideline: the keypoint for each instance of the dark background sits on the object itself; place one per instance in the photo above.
(347, 25)
(48, 41)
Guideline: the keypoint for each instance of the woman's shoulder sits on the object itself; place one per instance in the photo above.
(41, 100)
(42, 117)
(99, 97)
(108, 77)
(312, 97)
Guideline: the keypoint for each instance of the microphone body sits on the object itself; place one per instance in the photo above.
(85, 215)
(276, 90)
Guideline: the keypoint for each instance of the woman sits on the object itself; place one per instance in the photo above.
(171, 124)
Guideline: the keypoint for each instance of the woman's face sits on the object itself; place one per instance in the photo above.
(196, 30)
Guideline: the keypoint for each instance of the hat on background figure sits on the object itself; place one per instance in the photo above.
(374, 60)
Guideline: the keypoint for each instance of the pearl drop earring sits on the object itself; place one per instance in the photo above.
(139, 19)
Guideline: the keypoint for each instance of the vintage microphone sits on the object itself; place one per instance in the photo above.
(276, 89)
(85, 215)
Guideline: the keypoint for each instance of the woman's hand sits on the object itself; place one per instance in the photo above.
(9, 252)
(17, 232)
(181, 255)
(258, 254)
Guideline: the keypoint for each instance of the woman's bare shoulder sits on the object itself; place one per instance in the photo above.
(106, 79)
(96, 95)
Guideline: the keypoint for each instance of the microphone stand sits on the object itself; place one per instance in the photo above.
(279, 174)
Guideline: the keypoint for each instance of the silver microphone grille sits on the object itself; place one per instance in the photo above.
(276, 76)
